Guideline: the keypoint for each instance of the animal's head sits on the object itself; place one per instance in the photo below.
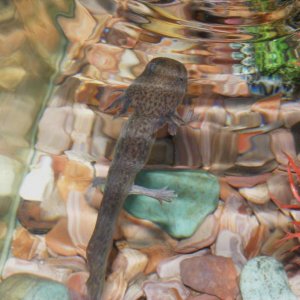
(168, 71)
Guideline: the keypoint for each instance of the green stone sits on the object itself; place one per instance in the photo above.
(30, 287)
(263, 278)
(197, 196)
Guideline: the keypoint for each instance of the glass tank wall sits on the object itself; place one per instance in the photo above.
(231, 175)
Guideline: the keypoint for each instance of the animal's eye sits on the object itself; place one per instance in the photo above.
(152, 67)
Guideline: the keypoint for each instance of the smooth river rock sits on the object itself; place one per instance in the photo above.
(263, 278)
(214, 275)
(197, 196)
(29, 287)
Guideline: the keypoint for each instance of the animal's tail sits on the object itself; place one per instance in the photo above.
(101, 241)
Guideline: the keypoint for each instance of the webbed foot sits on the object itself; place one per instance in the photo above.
(162, 195)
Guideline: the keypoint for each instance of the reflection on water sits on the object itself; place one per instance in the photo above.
(62, 62)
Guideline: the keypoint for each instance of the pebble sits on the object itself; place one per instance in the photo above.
(238, 218)
(229, 244)
(259, 154)
(282, 143)
(290, 113)
(29, 287)
(30, 216)
(170, 289)
(263, 278)
(221, 160)
(14, 266)
(170, 267)
(268, 107)
(258, 194)
(38, 181)
(197, 197)
(279, 188)
(55, 128)
(203, 297)
(247, 181)
(214, 275)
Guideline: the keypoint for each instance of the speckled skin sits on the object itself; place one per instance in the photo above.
(154, 97)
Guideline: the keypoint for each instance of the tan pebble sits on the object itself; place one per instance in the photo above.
(170, 267)
(115, 286)
(102, 145)
(83, 124)
(52, 206)
(259, 153)
(269, 216)
(36, 267)
(24, 244)
(229, 244)
(54, 134)
(173, 289)
(282, 144)
(237, 217)
(76, 176)
(279, 189)
(105, 58)
(258, 194)
(268, 107)
(203, 297)
(222, 160)
(81, 220)
(290, 113)
(131, 262)
(59, 163)
(246, 119)
(59, 241)
(84, 22)
(247, 181)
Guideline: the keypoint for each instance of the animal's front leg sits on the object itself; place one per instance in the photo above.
(174, 120)
(123, 102)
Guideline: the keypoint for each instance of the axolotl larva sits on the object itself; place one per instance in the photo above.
(153, 96)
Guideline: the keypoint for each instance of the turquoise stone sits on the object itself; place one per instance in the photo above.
(197, 196)
(30, 287)
(263, 278)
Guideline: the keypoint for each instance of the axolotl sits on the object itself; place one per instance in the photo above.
(154, 97)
